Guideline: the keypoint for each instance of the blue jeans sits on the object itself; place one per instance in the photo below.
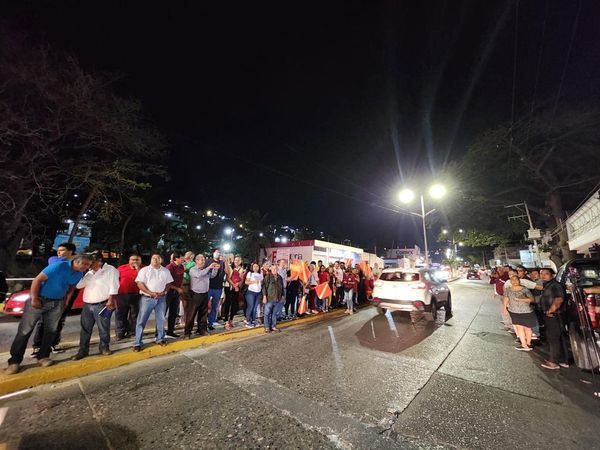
(251, 302)
(214, 295)
(89, 317)
(279, 310)
(270, 315)
(349, 299)
(50, 313)
(147, 305)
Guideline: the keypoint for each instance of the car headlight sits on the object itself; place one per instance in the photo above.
(20, 297)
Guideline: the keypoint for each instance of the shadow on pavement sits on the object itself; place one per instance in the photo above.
(396, 331)
(86, 435)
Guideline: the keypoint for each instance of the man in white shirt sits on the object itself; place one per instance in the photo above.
(153, 281)
(101, 285)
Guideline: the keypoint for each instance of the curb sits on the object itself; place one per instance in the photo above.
(38, 376)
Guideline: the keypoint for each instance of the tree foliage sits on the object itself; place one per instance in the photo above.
(63, 130)
(548, 158)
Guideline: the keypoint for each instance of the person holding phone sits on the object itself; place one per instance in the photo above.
(197, 304)
(215, 290)
(101, 286)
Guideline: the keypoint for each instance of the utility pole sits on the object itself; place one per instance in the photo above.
(533, 233)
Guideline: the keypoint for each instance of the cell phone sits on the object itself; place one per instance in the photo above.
(105, 312)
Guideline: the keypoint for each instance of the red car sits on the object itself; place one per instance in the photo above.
(15, 304)
(473, 275)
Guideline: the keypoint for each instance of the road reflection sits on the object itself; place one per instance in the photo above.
(397, 331)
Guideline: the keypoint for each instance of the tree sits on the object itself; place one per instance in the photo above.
(255, 234)
(548, 158)
(63, 130)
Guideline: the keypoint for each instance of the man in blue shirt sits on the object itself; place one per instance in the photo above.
(50, 290)
(64, 252)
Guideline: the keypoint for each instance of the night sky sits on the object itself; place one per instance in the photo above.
(315, 111)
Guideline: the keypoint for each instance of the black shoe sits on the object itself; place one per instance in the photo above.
(137, 348)
(57, 349)
(172, 334)
(204, 333)
(35, 351)
(78, 356)
(211, 328)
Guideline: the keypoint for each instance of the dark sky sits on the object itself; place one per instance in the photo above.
(314, 111)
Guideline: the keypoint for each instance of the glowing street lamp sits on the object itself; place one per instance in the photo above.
(226, 247)
(228, 231)
(209, 213)
(406, 196)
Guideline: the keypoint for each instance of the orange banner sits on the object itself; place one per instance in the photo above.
(302, 306)
(366, 270)
(300, 270)
(323, 290)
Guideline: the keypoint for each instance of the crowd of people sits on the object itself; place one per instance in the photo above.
(192, 291)
(532, 306)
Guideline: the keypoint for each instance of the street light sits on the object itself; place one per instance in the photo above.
(226, 247)
(228, 231)
(436, 191)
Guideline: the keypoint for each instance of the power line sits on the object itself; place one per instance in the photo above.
(564, 72)
(537, 72)
(514, 81)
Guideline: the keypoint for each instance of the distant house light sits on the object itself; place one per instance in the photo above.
(277, 239)
(168, 214)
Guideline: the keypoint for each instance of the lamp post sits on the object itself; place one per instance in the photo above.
(407, 196)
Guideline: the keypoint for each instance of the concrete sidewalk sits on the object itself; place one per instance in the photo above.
(31, 375)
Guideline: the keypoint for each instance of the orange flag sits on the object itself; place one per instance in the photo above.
(300, 269)
(323, 290)
(366, 270)
(302, 306)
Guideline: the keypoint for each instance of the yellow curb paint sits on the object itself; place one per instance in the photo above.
(74, 369)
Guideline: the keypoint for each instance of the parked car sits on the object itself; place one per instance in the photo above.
(410, 290)
(473, 275)
(15, 305)
(580, 310)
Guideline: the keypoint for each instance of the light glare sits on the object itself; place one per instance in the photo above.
(437, 191)
(406, 196)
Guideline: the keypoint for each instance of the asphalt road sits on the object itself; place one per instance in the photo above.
(365, 381)
(9, 324)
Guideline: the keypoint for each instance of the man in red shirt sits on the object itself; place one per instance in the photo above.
(176, 293)
(128, 298)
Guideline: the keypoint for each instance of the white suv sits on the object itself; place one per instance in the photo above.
(411, 290)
